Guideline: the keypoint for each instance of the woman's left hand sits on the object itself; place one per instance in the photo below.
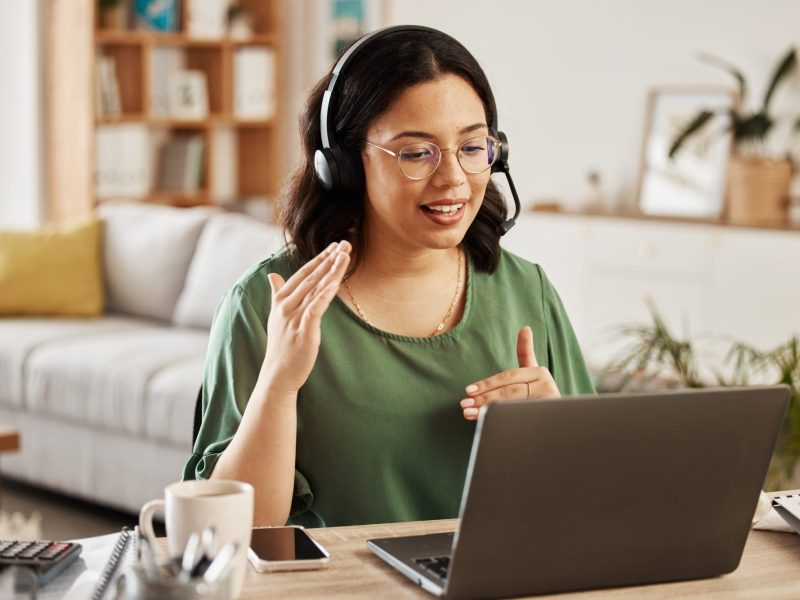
(528, 381)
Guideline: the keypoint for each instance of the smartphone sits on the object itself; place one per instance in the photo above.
(288, 548)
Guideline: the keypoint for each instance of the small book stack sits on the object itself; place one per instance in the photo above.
(182, 164)
(107, 98)
(254, 83)
(122, 161)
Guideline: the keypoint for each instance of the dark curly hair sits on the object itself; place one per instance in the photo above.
(312, 217)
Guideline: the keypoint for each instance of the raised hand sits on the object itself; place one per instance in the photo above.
(528, 381)
(293, 328)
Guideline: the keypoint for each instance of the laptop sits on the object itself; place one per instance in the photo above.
(600, 491)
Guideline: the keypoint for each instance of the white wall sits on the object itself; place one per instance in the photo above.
(571, 76)
(21, 169)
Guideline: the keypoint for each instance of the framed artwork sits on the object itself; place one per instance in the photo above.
(188, 97)
(350, 19)
(692, 182)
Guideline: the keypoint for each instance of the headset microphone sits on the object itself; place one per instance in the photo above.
(339, 171)
(501, 164)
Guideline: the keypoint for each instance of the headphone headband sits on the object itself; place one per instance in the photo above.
(325, 127)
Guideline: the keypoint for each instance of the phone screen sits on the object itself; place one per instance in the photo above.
(284, 543)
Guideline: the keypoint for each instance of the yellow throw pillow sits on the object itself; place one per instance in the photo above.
(52, 271)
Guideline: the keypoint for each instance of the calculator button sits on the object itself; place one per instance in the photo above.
(14, 549)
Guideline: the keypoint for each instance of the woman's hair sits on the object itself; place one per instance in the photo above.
(313, 217)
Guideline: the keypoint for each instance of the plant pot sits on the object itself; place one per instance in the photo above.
(114, 17)
(758, 190)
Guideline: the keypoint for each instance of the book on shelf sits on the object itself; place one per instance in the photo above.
(254, 83)
(107, 96)
(156, 15)
(181, 164)
(122, 161)
(207, 19)
(165, 61)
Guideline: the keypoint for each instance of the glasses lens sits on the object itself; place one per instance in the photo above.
(478, 154)
(418, 161)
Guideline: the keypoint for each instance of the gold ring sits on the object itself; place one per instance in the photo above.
(529, 389)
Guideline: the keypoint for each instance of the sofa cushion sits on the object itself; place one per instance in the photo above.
(228, 246)
(171, 395)
(104, 381)
(147, 249)
(20, 337)
(52, 271)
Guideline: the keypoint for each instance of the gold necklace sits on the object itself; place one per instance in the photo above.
(440, 326)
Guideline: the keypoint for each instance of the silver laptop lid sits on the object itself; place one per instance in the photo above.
(589, 492)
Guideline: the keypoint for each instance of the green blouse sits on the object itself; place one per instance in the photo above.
(380, 433)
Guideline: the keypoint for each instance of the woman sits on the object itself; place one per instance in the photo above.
(345, 373)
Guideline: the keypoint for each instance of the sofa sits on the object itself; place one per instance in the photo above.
(105, 404)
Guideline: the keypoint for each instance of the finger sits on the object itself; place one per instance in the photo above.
(321, 301)
(471, 414)
(303, 272)
(505, 378)
(295, 298)
(335, 273)
(516, 391)
(276, 282)
(526, 354)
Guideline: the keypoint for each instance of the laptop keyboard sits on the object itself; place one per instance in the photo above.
(438, 565)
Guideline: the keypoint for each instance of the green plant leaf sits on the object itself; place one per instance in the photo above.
(754, 127)
(718, 62)
(786, 66)
(695, 125)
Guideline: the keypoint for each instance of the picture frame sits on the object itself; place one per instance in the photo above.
(692, 183)
(348, 23)
(188, 95)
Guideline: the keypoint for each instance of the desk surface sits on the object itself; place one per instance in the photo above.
(769, 569)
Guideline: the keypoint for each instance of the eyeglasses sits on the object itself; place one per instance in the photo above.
(421, 159)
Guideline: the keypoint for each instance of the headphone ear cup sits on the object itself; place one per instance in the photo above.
(501, 164)
(326, 168)
(337, 171)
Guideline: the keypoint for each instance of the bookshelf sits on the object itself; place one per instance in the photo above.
(95, 154)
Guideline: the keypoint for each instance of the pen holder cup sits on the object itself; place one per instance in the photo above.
(135, 584)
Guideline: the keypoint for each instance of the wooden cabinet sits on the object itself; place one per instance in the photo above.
(238, 150)
(711, 283)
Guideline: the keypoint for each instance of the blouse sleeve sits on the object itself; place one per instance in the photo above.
(563, 351)
(237, 345)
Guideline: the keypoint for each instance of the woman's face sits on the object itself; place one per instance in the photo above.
(432, 213)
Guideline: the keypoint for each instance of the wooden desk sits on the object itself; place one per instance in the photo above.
(770, 568)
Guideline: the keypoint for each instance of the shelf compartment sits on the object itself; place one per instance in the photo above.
(128, 60)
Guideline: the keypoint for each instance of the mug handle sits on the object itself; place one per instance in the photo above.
(146, 522)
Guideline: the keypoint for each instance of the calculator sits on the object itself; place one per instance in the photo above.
(46, 559)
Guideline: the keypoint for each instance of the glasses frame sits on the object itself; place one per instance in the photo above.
(457, 153)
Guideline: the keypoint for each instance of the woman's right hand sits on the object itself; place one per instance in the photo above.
(293, 328)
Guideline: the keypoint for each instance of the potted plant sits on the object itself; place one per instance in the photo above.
(113, 14)
(657, 359)
(758, 183)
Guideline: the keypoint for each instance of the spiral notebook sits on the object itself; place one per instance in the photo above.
(127, 546)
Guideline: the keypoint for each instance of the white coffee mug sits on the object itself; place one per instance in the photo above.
(191, 506)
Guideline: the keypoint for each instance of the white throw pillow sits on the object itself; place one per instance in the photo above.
(228, 246)
(146, 253)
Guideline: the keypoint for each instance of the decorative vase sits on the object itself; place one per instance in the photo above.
(758, 190)
(114, 17)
